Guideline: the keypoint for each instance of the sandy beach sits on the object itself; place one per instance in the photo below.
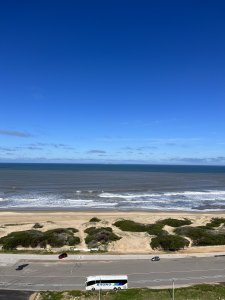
(131, 242)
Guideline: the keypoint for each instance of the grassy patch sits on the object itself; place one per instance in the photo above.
(198, 292)
(52, 295)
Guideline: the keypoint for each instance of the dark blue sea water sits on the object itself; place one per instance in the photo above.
(119, 187)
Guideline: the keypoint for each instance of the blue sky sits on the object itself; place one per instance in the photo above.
(112, 81)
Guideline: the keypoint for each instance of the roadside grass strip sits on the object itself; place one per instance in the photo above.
(197, 292)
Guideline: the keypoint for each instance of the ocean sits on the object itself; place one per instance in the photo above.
(111, 187)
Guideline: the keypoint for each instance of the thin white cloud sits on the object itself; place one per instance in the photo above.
(15, 133)
(96, 151)
(199, 160)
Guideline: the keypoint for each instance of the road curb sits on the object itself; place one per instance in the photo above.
(13, 258)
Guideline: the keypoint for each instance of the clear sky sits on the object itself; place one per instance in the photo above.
(112, 81)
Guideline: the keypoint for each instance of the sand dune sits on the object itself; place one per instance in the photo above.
(131, 242)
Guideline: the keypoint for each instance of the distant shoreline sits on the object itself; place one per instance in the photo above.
(107, 211)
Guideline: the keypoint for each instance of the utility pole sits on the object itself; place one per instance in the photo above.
(173, 289)
(99, 294)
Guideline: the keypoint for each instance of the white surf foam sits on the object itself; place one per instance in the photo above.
(128, 195)
(182, 200)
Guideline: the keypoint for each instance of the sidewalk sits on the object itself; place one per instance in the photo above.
(13, 258)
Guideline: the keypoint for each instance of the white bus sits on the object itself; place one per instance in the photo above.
(107, 282)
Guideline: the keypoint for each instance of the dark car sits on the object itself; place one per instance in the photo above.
(63, 255)
(155, 258)
(21, 267)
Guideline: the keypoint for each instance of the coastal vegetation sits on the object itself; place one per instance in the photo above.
(37, 225)
(169, 242)
(99, 236)
(156, 229)
(153, 229)
(34, 238)
(202, 236)
(197, 292)
(215, 222)
(174, 222)
(94, 220)
(166, 234)
(128, 225)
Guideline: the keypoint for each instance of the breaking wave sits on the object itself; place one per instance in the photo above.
(206, 200)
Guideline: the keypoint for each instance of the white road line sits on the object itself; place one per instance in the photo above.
(168, 272)
(74, 276)
(41, 276)
(44, 284)
(177, 279)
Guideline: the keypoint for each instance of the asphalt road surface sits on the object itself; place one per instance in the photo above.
(70, 275)
(14, 295)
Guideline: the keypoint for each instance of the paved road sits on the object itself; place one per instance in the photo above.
(66, 275)
(14, 295)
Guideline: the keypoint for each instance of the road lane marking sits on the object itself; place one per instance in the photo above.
(177, 279)
(74, 276)
(168, 272)
(43, 276)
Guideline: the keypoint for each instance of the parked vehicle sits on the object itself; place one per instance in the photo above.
(63, 255)
(21, 267)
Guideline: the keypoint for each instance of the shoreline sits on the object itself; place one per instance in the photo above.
(102, 211)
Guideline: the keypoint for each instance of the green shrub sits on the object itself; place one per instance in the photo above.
(73, 230)
(169, 242)
(175, 222)
(191, 232)
(156, 229)
(61, 236)
(152, 229)
(96, 236)
(201, 236)
(62, 230)
(29, 238)
(215, 222)
(128, 225)
(33, 238)
(210, 240)
(74, 241)
(37, 225)
(94, 220)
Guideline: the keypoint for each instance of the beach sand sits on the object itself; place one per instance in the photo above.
(131, 242)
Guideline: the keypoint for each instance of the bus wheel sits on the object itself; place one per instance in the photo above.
(115, 289)
(93, 289)
(119, 288)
